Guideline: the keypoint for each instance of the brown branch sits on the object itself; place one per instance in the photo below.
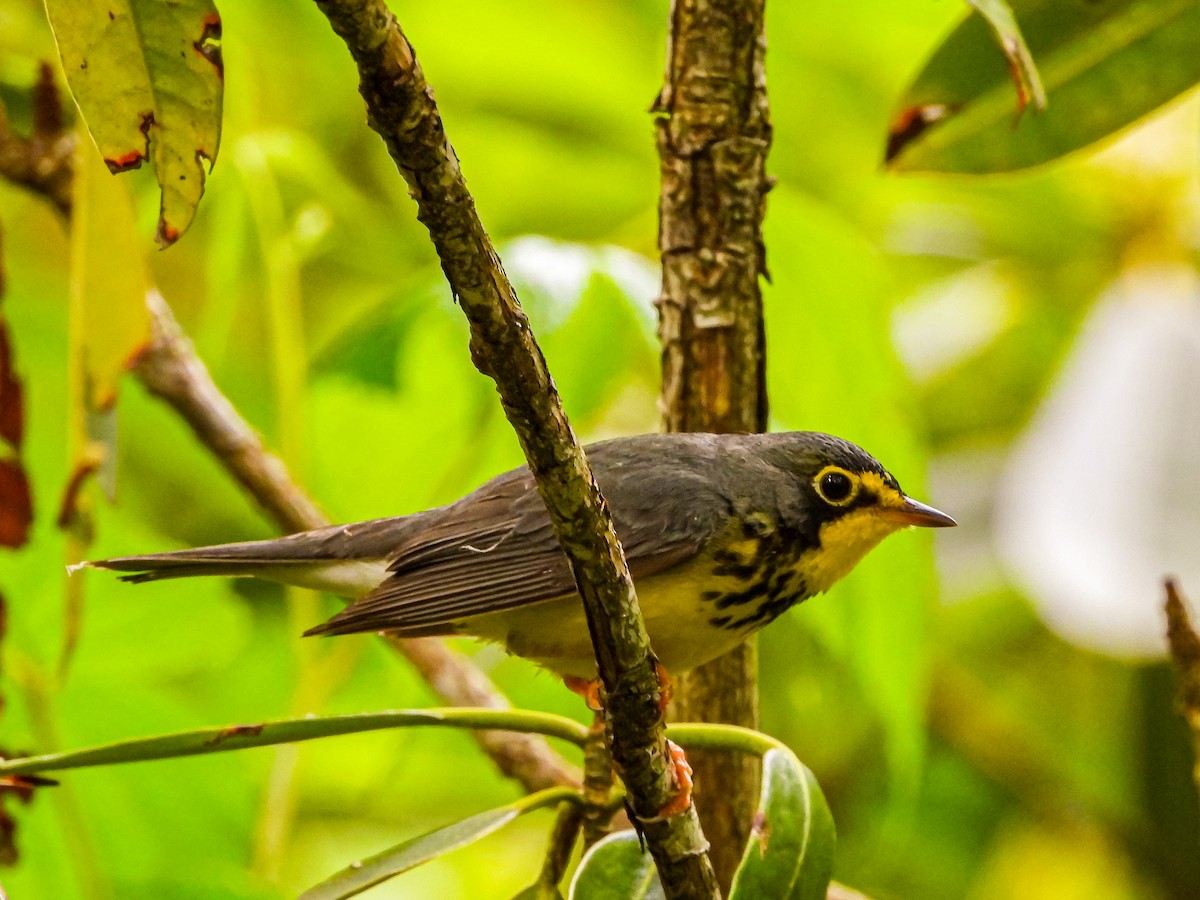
(714, 132)
(401, 109)
(558, 851)
(42, 161)
(597, 785)
(1184, 643)
(525, 757)
(170, 369)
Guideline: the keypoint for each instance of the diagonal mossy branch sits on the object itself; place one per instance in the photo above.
(401, 109)
(171, 370)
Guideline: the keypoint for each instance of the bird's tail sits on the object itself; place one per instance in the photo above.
(348, 560)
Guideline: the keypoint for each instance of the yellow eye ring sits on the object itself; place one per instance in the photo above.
(836, 486)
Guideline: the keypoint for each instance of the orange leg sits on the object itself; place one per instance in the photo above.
(587, 688)
(666, 689)
(683, 778)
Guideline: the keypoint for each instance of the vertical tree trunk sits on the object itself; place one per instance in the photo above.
(714, 131)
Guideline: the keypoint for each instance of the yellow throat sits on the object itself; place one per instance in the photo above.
(847, 539)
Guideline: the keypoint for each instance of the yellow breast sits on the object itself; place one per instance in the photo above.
(844, 542)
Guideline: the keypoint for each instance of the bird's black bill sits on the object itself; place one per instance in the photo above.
(914, 512)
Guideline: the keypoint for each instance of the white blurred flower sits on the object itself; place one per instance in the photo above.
(1101, 498)
(551, 275)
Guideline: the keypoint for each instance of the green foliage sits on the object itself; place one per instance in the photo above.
(921, 317)
(539, 891)
(790, 853)
(1105, 65)
(367, 873)
(149, 79)
(615, 868)
(1028, 82)
(854, 386)
(266, 734)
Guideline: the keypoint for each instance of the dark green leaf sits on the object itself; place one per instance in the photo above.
(792, 835)
(816, 866)
(359, 876)
(998, 14)
(540, 891)
(1104, 66)
(616, 868)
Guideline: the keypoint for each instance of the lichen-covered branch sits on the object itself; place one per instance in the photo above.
(401, 109)
(1184, 643)
(170, 369)
(714, 132)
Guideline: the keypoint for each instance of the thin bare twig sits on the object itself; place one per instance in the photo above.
(170, 369)
(562, 841)
(401, 109)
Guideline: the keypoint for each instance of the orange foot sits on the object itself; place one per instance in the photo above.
(683, 778)
(587, 688)
(666, 690)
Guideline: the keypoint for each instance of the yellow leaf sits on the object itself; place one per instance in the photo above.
(149, 80)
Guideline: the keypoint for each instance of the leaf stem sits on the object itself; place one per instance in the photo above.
(264, 734)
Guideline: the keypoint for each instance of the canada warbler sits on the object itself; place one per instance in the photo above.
(722, 534)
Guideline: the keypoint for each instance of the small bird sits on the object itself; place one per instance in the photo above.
(722, 532)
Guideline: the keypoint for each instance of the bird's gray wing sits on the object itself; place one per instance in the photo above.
(495, 549)
(347, 560)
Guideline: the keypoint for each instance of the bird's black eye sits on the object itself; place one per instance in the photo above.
(836, 486)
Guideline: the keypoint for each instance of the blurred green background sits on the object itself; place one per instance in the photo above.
(1021, 351)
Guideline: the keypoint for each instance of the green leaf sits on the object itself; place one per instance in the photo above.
(149, 81)
(110, 323)
(109, 328)
(792, 834)
(1104, 66)
(816, 869)
(999, 15)
(540, 891)
(364, 874)
(264, 734)
(616, 868)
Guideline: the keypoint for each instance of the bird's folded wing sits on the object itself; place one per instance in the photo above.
(496, 549)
